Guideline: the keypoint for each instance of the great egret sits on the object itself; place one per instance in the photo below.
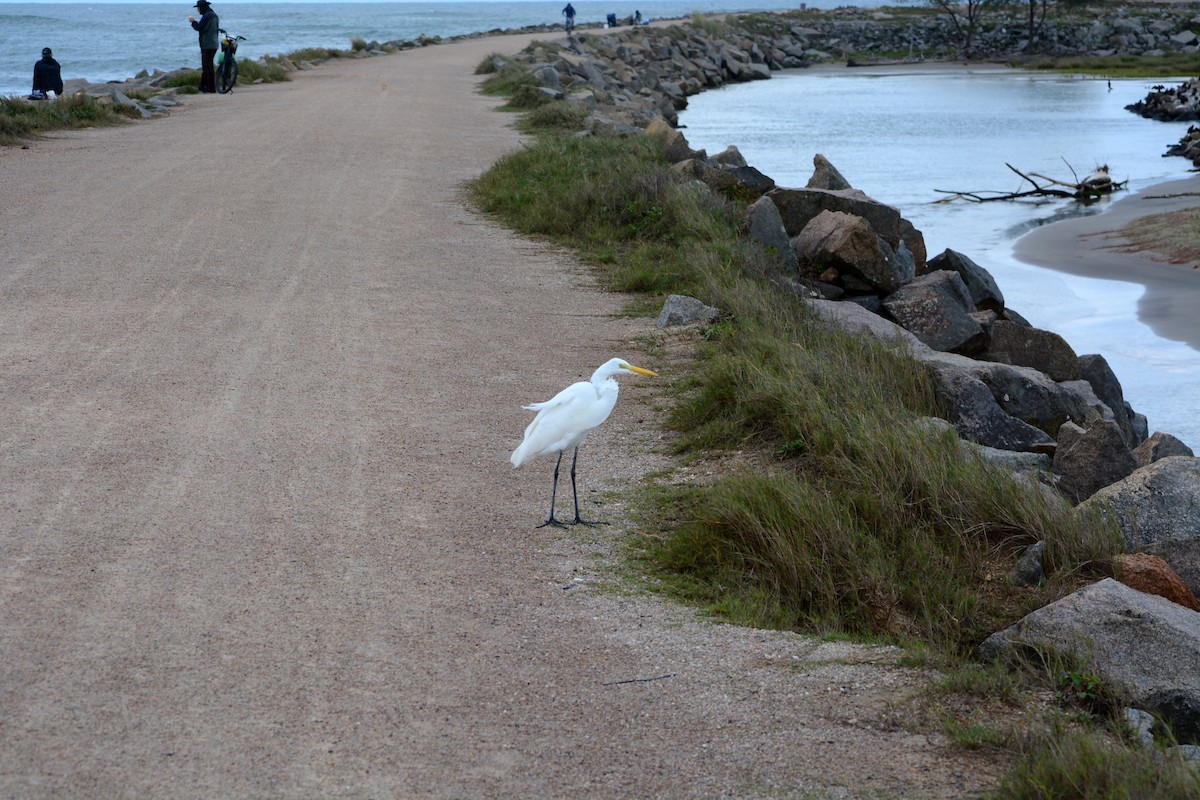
(563, 421)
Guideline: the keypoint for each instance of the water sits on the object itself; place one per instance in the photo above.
(113, 41)
(899, 136)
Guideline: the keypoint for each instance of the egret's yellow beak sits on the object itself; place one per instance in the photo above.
(641, 371)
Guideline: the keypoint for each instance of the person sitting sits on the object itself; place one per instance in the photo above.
(47, 76)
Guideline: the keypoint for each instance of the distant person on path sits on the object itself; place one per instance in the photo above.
(637, 17)
(47, 76)
(569, 13)
(210, 39)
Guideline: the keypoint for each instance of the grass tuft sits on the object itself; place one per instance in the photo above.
(21, 119)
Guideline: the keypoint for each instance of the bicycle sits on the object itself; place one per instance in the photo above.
(227, 70)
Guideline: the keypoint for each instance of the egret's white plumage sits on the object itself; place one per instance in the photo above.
(563, 421)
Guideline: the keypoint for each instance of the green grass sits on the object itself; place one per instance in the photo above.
(272, 71)
(1121, 66)
(1083, 766)
(21, 120)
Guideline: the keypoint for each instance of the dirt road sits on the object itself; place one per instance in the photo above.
(260, 373)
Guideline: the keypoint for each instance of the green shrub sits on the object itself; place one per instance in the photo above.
(184, 79)
(272, 71)
(358, 43)
(556, 115)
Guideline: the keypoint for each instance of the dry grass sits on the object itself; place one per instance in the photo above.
(1175, 235)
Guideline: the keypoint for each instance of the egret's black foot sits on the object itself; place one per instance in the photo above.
(552, 522)
(587, 523)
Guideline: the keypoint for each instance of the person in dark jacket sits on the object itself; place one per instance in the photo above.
(47, 75)
(210, 39)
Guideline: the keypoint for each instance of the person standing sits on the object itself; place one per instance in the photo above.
(210, 39)
(569, 13)
(47, 75)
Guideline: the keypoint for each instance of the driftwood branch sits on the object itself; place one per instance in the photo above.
(1089, 188)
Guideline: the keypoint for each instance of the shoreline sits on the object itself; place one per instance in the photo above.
(1093, 247)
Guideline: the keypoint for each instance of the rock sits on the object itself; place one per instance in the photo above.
(984, 292)
(1094, 369)
(1182, 556)
(937, 309)
(675, 145)
(1097, 459)
(1029, 570)
(1146, 647)
(1157, 502)
(766, 228)
(1159, 446)
(848, 244)
(1032, 397)
(853, 318)
(730, 156)
(716, 179)
(826, 175)
(1150, 574)
(1140, 724)
(1044, 351)
(799, 206)
(683, 310)
(749, 180)
(975, 414)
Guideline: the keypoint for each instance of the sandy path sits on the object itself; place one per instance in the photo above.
(260, 535)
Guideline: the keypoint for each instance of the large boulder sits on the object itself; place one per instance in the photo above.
(1157, 502)
(675, 144)
(826, 175)
(1096, 459)
(683, 310)
(1152, 575)
(1183, 556)
(937, 309)
(1032, 397)
(1094, 369)
(1146, 647)
(849, 245)
(1160, 446)
(853, 318)
(985, 294)
(749, 180)
(1045, 351)
(765, 227)
(973, 411)
(799, 206)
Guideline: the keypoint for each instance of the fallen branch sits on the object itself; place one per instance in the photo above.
(1097, 184)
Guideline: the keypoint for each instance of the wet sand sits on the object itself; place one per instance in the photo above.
(1093, 247)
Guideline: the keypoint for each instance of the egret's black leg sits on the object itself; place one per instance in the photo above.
(554, 490)
(578, 519)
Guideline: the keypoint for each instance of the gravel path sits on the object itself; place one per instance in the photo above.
(260, 373)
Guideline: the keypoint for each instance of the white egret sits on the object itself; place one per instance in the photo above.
(563, 421)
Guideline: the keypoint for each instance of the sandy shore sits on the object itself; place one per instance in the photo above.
(1093, 247)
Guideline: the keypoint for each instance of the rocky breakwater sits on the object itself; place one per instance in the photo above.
(1017, 396)
(1179, 103)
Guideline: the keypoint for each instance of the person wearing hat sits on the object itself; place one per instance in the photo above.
(47, 75)
(210, 39)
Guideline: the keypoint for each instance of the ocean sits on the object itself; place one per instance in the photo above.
(113, 41)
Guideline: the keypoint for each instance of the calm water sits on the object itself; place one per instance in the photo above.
(113, 41)
(900, 135)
